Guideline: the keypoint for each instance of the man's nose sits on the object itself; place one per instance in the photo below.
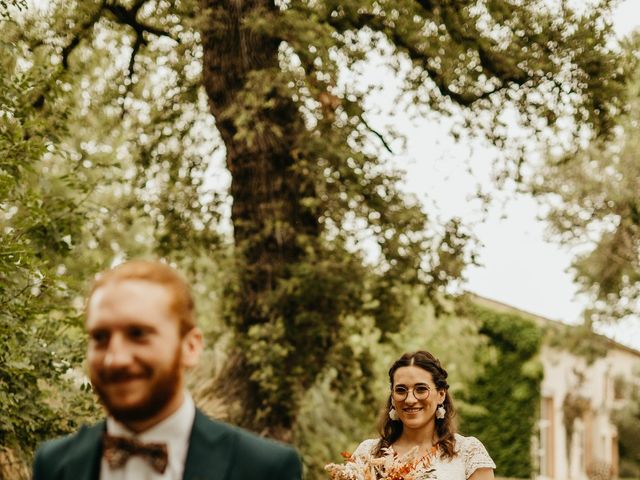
(118, 353)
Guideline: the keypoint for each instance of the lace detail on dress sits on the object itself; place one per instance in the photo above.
(366, 447)
(470, 456)
(474, 455)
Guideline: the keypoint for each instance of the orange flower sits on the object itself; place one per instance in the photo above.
(389, 466)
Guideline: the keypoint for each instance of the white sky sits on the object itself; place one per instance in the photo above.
(519, 267)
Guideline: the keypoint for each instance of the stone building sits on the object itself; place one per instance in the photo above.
(576, 438)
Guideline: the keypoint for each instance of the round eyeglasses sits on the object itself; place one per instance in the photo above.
(421, 391)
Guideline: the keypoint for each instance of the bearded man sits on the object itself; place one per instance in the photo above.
(142, 338)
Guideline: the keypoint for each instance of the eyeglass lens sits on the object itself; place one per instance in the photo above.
(420, 392)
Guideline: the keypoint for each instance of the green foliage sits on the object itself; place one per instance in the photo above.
(308, 170)
(331, 421)
(627, 421)
(580, 340)
(7, 7)
(507, 390)
(574, 407)
(73, 199)
(338, 413)
(39, 328)
(317, 243)
(593, 194)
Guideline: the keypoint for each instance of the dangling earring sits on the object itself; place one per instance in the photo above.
(393, 415)
(440, 412)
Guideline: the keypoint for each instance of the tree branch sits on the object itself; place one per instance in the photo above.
(377, 134)
(499, 65)
(495, 64)
(121, 15)
(80, 34)
(128, 16)
(134, 51)
(124, 16)
(427, 5)
(464, 99)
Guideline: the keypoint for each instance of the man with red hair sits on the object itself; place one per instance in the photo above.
(142, 338)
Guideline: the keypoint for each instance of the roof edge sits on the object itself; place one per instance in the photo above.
(501, 306)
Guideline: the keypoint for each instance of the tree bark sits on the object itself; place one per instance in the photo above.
(267, 214)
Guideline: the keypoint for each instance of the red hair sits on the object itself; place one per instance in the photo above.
(181, 304)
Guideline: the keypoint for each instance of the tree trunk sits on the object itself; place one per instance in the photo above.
(267, 214)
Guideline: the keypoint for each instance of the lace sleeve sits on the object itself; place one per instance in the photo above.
(475, 456)
(365, 448)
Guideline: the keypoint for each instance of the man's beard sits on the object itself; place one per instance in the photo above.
(159, 394)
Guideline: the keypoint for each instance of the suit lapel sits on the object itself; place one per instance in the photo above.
(211, 446)
(84, 458)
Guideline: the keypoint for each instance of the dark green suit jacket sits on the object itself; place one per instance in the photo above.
(217, 451)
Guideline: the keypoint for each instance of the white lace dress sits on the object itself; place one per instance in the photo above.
(470, 455)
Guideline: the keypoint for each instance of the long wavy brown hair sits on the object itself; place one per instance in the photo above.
(390, 430)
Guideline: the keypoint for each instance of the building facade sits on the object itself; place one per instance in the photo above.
(576, 438)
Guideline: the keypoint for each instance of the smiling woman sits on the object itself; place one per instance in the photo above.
(419, 418)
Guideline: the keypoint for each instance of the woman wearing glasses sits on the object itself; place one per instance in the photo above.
(420, 414)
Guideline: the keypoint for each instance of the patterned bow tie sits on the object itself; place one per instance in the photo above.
(117, 450)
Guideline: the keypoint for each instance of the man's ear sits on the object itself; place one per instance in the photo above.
(192, 345)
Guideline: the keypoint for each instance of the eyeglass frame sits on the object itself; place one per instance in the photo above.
(412, 390)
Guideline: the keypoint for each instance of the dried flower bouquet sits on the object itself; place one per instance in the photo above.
(389, 466)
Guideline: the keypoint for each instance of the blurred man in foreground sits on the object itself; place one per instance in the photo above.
(142, 338)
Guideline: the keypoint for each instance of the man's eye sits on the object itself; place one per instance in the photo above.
(137, 333)
(100, 338)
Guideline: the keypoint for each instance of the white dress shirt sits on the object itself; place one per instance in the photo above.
(174, 431)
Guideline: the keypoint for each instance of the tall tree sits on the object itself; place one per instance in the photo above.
(271, 72)
(311, 194)
(594, 197)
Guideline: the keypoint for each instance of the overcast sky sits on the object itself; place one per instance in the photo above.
(520, 267)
